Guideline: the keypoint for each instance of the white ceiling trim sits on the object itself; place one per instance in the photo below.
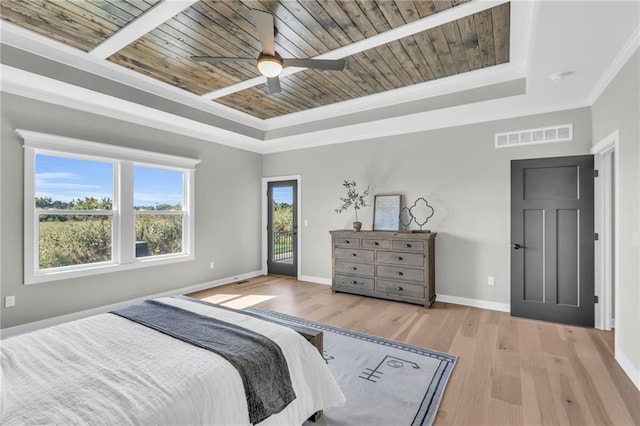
(522, 28)
(621, 58)
(148, 21)
(442, 86)
(481, 112)
(37, 44)
(35, 86)
(431, 21)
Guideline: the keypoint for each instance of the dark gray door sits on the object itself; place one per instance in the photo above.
(282, 228)
(552, 236)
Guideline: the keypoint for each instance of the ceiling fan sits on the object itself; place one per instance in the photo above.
(269, 62)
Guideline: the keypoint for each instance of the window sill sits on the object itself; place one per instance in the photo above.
(107, 267)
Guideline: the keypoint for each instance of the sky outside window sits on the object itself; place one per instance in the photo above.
(66, 179)
(156, 187)
(283, 194)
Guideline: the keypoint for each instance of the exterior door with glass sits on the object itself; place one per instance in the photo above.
(282, 228)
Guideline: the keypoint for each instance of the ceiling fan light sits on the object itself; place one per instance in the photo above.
(269, 66)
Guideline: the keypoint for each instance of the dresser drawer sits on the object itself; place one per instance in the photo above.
(407, 245)
(400, 288)
(346, 241)
(355, 282)
(400, 258)
(383, 244)
(400, 273)
(354, 254)
(355, 268)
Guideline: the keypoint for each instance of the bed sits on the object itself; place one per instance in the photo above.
(107, 369)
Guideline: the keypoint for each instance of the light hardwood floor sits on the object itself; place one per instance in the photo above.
(510, 371)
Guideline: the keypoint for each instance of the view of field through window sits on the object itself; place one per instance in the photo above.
(74, 201)
(282, 223)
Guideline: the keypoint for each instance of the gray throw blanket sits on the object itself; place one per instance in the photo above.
(260, 362)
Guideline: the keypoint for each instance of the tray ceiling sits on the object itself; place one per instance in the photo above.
(305, 28)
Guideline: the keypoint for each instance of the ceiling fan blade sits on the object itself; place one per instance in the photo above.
(320, 64)
(215, 60)
(273, 84)
(264, 26)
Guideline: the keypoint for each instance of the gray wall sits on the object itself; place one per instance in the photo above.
(457, 170)
(618, 107)
(227, 213)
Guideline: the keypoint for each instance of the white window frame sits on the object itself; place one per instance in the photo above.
(123, 225)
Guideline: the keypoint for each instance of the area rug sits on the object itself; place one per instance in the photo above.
(385, 382)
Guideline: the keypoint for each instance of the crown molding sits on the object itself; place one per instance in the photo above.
(35, 86)
(630, 46)
(481, 112)
(442, 86)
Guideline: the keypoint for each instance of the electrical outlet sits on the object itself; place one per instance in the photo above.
(9, 301)
(306, 222)
(212, 265)
(491, 281)
(635, 239)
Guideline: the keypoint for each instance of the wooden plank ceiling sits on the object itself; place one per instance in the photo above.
(306, 28)
(82, 24)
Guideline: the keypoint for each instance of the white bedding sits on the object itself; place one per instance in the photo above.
(108, 370)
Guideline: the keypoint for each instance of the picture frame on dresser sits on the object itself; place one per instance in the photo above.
(386, 212)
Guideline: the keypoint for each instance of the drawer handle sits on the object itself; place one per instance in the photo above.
(347, 242)
(400, 258)
(407, 246)
(354, 282)
(399, 274)
(353, 268)
(399, 288)
(354, 254)
(375, 243)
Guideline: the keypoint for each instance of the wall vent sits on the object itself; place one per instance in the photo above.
(535, 136)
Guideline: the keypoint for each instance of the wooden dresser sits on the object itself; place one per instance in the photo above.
(389, 265)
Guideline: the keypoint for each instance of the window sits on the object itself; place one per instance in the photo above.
(74, 210)
(92, 208)
(159, 216)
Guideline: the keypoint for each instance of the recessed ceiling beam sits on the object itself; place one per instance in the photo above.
(149, 20)
(426, 23)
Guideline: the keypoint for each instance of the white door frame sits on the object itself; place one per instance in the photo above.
(603, 219)
(265, 220)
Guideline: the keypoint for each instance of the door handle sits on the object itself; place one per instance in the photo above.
(517, 246)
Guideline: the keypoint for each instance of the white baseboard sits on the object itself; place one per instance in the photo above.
(476, 303)
(317, 280)
(629, 369)
(49, 322)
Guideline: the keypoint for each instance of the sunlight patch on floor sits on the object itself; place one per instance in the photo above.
(220, 298)
(250, 300)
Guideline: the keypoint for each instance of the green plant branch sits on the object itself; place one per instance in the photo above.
(353, 198)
